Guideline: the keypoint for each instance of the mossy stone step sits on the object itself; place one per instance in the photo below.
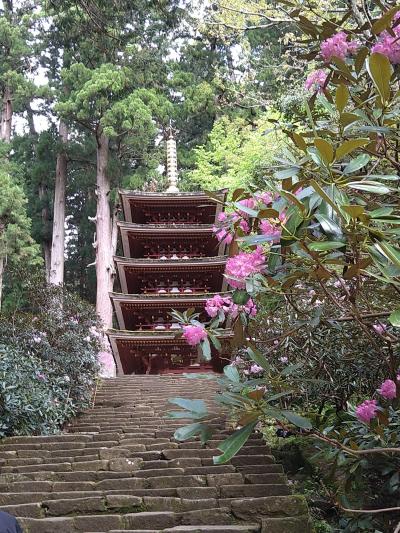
(117, 467)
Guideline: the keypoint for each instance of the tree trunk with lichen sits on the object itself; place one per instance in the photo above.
(58, 238)
(104, 243)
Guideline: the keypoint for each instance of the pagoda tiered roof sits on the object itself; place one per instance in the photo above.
(131, 309)
(199, 275)
(162, 207)
(185, 240)
(164, 350)
(172, 260)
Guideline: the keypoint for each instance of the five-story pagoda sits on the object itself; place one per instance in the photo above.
(171, 260)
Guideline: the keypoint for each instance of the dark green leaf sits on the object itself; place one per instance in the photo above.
(355, 164)
(342, 97)
(197, 406)
(297, 420)
(394, 318)
(259, 358)
(240, 297)
(369, 186)
(232, 373)
(321, 246)
(348, 146)
(380, 71)
(385, 21)
(189, 431)
(234, 443)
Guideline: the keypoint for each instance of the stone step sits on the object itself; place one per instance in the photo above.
(129, 521)
(130, 483)
(114, 503)
(273, 474)
(187, 493)
(247, 528)
(117, 467)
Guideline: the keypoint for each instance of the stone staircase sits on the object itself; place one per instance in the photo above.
(118, 468)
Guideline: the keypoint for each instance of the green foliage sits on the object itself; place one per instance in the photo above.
(16, 35)
(328, 230)
(48, 360)
(236, 153)
(16, 243)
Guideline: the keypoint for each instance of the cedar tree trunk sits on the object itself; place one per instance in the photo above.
(58, 240)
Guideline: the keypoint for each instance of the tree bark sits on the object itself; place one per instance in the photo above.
(46, 244)
(104, 260)
(104, 253)
(6, 115)
(2, 261)
(58, 240)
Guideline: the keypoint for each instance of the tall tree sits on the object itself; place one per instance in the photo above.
(16, 243)
(15, 55)
(58, 238)
(105, 102)
(109, 100)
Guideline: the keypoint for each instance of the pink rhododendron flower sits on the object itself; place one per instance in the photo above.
(228, 239)
(247, 202)
(244, 226)
(388, 389)
(389, 45)
(254, 369)
(243, 265)
(270, 230)
(367, 410)
(194, 334)
(265, 197)
(216, 303)
(316, 80)
(337, 46)
(221, 234)
(282, 217)
(226, 304)
(250, 308)
(379, 328)
(237, 361)
(222, 216)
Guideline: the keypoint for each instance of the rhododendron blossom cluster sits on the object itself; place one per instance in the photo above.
(388, 389)
(243, 265)
(254, 369)
(194, 334)
(224, 228)
(367, 410)
(316, 80)
(217, 303)
(272, 227)
(389, 45)
(249, 203)
(338, 46)
(225, 304)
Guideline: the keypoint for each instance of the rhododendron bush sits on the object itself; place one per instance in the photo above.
(48, 360)
(322, 241)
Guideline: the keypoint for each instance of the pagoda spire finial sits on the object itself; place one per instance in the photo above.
(172, 160)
